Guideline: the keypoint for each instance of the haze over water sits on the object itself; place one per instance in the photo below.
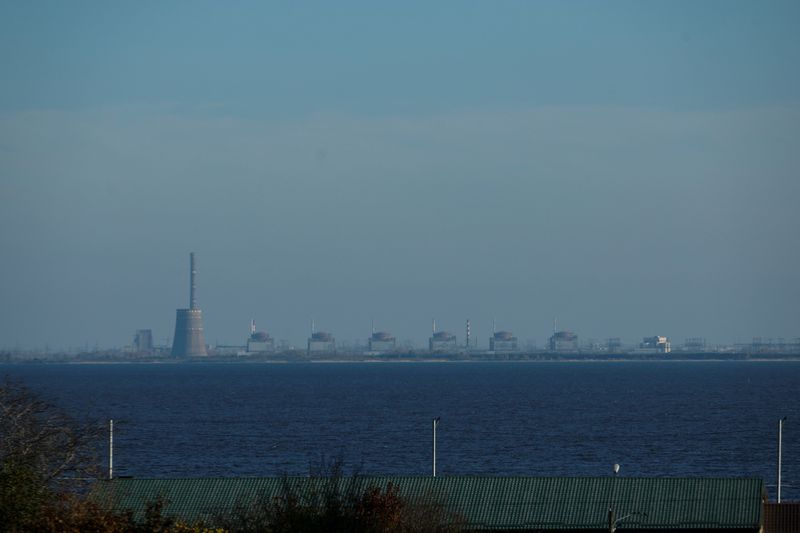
(630, 168)
(540, 419)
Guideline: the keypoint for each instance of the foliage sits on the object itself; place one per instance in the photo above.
(43, 452)
(47, 461)
(337, 503)
(74, 514)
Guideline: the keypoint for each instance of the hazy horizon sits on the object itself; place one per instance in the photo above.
(631, 169)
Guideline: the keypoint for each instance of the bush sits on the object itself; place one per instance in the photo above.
(43, 454)
(47, 464)
(337, 503)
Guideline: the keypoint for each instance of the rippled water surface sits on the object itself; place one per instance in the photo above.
(542, 419)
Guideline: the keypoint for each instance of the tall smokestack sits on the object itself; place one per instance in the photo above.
(189, 339)
(192, 286)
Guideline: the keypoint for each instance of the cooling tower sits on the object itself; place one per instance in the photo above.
(189, 339)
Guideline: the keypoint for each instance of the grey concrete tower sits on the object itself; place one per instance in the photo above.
(189, 339)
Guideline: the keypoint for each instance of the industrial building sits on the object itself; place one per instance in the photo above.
(189, 339)
(658, 344)
(442, 341)
(614, 345)
(695, 344)
(774, 346)
(503, 341)
(143, 341)
(259, 341)
(564, 342)
(321, 342)
(382, 341)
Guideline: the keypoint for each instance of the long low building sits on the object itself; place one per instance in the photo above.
(535, 504)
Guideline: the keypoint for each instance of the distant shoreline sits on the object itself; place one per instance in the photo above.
(354, 359)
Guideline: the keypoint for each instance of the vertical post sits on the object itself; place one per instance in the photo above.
(612, 518)
(435, 423)
(780, 439)
(111, 449)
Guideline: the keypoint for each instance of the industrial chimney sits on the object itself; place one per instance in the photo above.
(189, 339)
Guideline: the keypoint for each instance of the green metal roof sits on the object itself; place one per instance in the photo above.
(490, 502)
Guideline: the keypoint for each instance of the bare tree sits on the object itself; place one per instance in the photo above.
(43, 452)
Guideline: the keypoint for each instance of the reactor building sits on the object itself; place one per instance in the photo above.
(321, 342)
(503, 341)
(442, 341)
(189, 339)
(564, 342)
(259, 341)
(381, 341)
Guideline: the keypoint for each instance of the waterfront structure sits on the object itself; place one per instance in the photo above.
(143, 341)
(503, 341)
(189, 339)
(658, 344)
(259, 341)
(321, 342)
(564, 342)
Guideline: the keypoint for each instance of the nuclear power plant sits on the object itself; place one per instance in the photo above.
(189, 340)
(442, 341)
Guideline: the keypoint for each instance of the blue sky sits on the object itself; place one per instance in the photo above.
(631, 168)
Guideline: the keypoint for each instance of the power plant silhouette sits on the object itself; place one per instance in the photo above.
(189, 339)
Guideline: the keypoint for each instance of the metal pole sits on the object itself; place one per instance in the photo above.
(780, 443)
(435, 423)
(612, 518)
(110, 449)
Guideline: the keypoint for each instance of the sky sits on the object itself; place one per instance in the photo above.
(631, 168)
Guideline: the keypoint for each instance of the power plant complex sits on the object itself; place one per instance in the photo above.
(189, 341)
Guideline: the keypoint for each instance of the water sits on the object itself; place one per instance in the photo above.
(540, 419)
